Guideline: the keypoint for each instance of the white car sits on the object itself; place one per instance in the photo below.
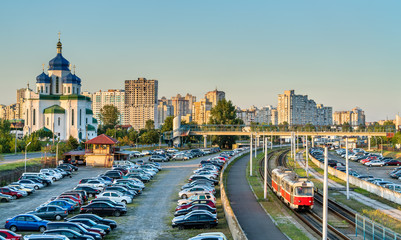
(211, 235)
(374, 163)
(31, 184)
(57, 175)
(188, 192)
(94, 183)
(204, 196)
(116, 196)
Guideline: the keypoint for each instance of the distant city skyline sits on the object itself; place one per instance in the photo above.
(343, 54)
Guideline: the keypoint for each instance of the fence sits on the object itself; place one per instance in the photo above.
(368, 229)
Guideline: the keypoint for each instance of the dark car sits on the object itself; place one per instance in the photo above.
(215, 182)
(195, 207)
(62, 203)
(66, 168)
(195, 220)
(73, 226)
(26, 222)
(121, 189)
(196, 202)
(139, 176)
(7, 234)
(114, 174)
(392, 162)
(104, 208)
(96, 219)
(83, 193)
(71, 234)
(129, 186)
(74, 168)
(89, 190)
(92, 224)
(50, 212)
(121, 169)
(108, 200)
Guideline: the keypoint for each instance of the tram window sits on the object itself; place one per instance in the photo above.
(304, 191)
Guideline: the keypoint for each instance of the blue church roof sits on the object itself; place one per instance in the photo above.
(43, 78)
(59, 63)
(77, 79)
(69, 78)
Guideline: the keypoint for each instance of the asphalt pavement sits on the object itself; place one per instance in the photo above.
(10, 158)
(251, 216)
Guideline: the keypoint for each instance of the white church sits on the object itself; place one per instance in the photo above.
(56, 104)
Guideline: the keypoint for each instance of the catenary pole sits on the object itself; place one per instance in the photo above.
(325, 193)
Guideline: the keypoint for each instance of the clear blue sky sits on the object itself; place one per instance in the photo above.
(340, 53)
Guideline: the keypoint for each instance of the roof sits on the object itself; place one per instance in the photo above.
(59, 63)
(102, 140)
(91, 128)
(75, 153)
(69, 78)
(89, 111)
(43, 78)
(94, 121)
(54, 109)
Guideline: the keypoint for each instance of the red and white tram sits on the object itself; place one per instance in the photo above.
(296, 192)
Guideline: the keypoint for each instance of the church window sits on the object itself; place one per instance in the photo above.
(47, 121)
(34, 117)
(65, 90)
(41, 89)
(38, 90)
(80, 117)
(69, 89)
(46, 90)
(27, 116)
(86, 121)
(59, 120)
(72, 117)
(73, 90)
(57, 85)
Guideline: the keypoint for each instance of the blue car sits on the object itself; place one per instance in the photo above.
(64, 204)
(26, 222)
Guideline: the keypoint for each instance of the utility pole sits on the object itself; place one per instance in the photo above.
(265, 173)
(307, 158)
(271, 141)
(347, 165)
(250, 156)
(256, 151)
(325, 193)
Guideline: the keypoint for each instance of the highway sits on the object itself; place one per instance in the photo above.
(10, 158)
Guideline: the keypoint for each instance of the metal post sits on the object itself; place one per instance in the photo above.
(325, 193)
(369, 143)
(265, 173)
(373, 230)
(57, 152)
(15, 145)
(297, 142)
(307, 159)
(25, 153)
(347, 165)
(250, 156)
(271, 141)
(205, 141)
(256, 151)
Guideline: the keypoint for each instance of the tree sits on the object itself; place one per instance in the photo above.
(109, 116)
(150, 124)
(72, 143)
(168, 124)
(224, 114)
(150, 137)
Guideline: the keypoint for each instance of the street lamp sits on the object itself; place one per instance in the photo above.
(25, 153)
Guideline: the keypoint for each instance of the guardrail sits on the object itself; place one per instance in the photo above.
(373, 188)
(235, 228)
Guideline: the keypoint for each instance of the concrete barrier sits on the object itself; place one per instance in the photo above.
(370, 187)
(235, 228)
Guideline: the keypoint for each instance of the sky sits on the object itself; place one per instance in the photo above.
(340, 53)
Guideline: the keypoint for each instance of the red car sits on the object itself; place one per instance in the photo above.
(207, 202)
(9, 235)
(70, 197)
(95, 230)
(8, 191)
(368, 159)
(392, 162)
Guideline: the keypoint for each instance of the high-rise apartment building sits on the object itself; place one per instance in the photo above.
(215, 96)
(355, 117)
(324, 115)
(141, 102)
(201, 111)
(164, 110)
(299, 110)
(111, 97)
(256, 115)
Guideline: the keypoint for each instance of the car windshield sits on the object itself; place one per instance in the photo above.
(304, 191)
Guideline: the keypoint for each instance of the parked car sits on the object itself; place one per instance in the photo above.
(96, 219)
(26, 222)
(71, 234)
(114, 174)
(21, 187)
(196, 202)
(210, 236)
(108, 200)
(195, 207)
(192, 220)
(91, 191)
(104, 208)
(45, 237)
(375, 163)
(10, 192)
(73, 226)
(158, 158)
(61, 203)
(197, 197)
(91, 224)
(50, 212)
(5, 198)
(116, 196)
(10, 235)
(188, 192)
(31, 184)
(392, 162)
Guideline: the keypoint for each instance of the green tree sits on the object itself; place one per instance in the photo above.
(168, 124)
(132, 135)
(72, 143)
(109, 116)
(150, 137)
(224, 114)
(150, 124)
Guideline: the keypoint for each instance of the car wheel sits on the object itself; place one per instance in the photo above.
(54, 179)
(117, 214)
(14, 197)
(398, 164)
(58, 217)
(91, 195)
(207, 225)
(36, 187)
(13, 228)
(42, 229)
(181, 227)
(124, 201)
(381, 165)
(3, 200)
(184, 196)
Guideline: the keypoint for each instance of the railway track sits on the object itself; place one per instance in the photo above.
(310, 218)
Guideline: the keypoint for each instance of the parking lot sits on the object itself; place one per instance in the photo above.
(31, 202)
(379, 172)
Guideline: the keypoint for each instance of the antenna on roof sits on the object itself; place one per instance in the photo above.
(43, 67)
(59, 33)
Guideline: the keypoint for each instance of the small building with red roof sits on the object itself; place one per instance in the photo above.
(100, 151)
